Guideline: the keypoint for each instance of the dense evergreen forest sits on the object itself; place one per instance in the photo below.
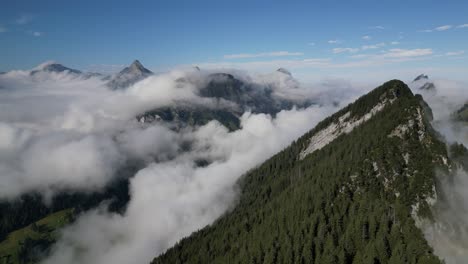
(31, 207)
(353, 201)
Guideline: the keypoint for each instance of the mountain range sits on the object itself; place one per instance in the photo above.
(354, 189)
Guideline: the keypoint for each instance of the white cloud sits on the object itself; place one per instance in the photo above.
(311, 43)
(455, 53)
(443, 28)
(188, 198)
(366, 37)
(405, 53)
(48, 118)
(394, 42)
(334, 41)
(341, 50)
(462, 26)
(37, 34)
(440, 28)
(376, 46)
(377, 27)
(263, 54)
(3, 29)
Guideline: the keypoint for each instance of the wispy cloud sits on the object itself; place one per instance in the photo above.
(406, 53)
(440, 28)
(263, 54)
(455, 53)
(341, 50)
(377, 27)
(376, 46)
(394, 43)
(463, 26)
(333, 41)
(366, 37)
(443, 28)
(390, 56)
(311, 43)
(23, 19)
(37, 34)
(3, 29)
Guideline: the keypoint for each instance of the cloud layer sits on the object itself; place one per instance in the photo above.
(60, 132)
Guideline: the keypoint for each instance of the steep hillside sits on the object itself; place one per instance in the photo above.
(462, 113)
(348, 191)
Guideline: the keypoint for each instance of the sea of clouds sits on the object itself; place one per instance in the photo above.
(59, 132)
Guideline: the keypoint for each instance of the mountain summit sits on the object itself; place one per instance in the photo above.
(424, 83)
(129, 76)
(349, 191)
(421, 77)
(283, 70)
(54, 67)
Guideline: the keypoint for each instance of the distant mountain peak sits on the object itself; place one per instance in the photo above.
(137, 67)
(425, 83)
(421, 77)
(53, 66)
(283, 70)
(129, 76)
(45, 64)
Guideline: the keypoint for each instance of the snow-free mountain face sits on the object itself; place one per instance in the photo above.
(423, 82)
(129, 76)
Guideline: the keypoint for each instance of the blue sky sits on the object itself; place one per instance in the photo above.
(311, 38)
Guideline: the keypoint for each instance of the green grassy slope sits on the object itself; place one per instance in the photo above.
(21, 246)
(350, 202)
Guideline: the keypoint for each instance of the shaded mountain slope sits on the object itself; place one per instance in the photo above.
(350, 195)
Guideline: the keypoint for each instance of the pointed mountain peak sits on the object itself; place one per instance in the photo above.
(137, 64)
(283, 70)
(425, 83)
(129, 76)
(137, 68)
(421, 77)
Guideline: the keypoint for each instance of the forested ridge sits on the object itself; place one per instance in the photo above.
(352, 201)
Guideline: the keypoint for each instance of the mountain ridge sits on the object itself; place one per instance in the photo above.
(353, 200)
